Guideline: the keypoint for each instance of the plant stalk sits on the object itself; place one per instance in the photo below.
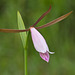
(25, 62)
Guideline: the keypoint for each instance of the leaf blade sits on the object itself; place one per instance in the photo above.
(23, 35)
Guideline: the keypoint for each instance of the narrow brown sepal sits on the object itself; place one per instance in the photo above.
(54, 21)
(42, 16)
(13, 30)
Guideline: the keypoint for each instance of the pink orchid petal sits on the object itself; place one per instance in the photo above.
(45, 56)
(38, 41)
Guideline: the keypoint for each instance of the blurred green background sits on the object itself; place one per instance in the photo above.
(60, 37)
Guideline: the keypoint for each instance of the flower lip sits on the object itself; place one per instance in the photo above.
(45, 56)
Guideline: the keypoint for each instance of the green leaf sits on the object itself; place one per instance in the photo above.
(21, 26)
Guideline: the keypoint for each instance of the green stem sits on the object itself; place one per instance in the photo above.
(25, 62)
(25, 56)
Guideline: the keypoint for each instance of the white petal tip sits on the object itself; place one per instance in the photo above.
(51, 52)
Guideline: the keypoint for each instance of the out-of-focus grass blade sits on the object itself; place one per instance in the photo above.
(21, 26)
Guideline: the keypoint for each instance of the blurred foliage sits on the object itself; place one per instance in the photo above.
(60, 37)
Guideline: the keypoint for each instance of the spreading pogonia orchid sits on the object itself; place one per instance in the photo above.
(40, 44)
(38, 40)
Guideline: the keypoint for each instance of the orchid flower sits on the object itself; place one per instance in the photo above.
(40, 44)
(38, 40)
